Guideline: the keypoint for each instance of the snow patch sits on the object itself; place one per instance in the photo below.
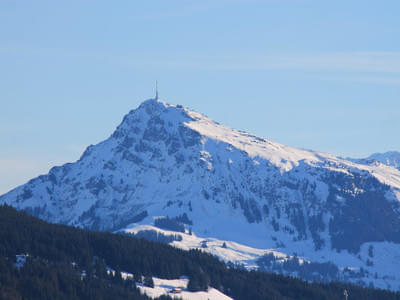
(177, 289)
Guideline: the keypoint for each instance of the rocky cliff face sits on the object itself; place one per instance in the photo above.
(164, 160)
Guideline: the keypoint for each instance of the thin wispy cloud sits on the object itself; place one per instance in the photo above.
(380, 62)
(373, 62)
(186, 9)
(370, 66)
(367, 62)
(373, 79)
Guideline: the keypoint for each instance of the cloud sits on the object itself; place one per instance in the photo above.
(381, 80)
(368, 67)
(373, 62)
(343, 62)
(381, 67)
(185, 9)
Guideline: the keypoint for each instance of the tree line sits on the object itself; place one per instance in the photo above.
(58, 254)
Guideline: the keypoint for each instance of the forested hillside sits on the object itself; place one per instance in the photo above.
(59, 254)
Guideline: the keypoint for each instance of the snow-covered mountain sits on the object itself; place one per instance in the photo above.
(168, 166)
(390, 158)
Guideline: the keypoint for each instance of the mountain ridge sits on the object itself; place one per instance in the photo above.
(166, 161)
(389, 158)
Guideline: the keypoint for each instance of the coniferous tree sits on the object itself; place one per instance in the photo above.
(148, 281)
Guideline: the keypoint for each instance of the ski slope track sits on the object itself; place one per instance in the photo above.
(222, 184)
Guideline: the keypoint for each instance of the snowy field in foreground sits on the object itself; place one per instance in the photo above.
(164, 287)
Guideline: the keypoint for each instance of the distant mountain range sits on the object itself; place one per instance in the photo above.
(306, 213)
(390, 158)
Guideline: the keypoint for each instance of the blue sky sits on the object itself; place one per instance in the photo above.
(321, 75)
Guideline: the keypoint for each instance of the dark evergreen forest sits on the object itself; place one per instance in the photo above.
(58, 255)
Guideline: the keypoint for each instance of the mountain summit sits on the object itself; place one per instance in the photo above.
(165, 161)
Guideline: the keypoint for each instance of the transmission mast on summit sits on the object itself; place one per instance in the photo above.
(156, 90)
(346, 294)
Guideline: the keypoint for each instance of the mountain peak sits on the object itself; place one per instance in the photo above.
(154, 103)
(166, 160)
(150, 113)
(156, 106)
